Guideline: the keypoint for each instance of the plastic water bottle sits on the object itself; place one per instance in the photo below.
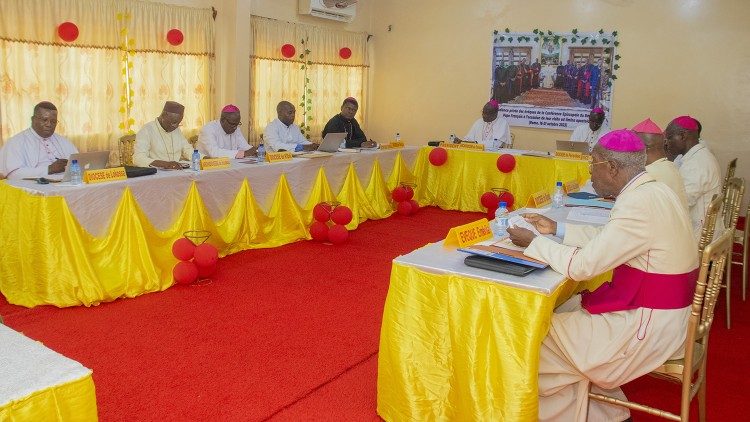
(75, 173)
(496, 143)
(453, 138)
(501, 220)
(261, 153)
(195, 163)
(398, 137)
(558, 198)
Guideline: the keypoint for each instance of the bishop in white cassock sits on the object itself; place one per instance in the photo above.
(37, 151)
(160, 143)
(657, 165)
(220, 138)
(283, 134)
(592, 131)
(492, 130)
(629, 327)
(699, 170)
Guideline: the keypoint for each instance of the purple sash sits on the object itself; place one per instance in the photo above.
(632, 288)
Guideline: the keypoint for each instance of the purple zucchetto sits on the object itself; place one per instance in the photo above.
(230, 108)
(622, 140)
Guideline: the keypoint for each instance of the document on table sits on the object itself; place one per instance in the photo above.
(589, 215)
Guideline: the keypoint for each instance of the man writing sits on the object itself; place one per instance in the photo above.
(489, 128)
(593, 130)
(699, 170)
(37, 151)
(160, 143)
(283, 135)
(345, 122)
(629, 327)
(657, 165)
(220, 138)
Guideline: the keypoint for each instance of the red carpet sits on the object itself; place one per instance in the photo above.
(260, 344)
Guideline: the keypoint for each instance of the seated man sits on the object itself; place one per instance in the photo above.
(220, 138)
(160, 143)
(592, 131)
(345, 122)
(491, 130)
(657, 165)
(699, 170)
(37, 151)
(283, 135)
(629, 327)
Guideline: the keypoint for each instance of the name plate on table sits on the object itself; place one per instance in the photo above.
(392, 145)
(215, 163)
(571, 186)
(463, 145)
(541, 199)
(277, 157)
(104, 175)
(468, 234)
(570, 155)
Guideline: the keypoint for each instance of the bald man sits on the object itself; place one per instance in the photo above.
(220, 138)
(160, 143)
(492, 130)
(283, 135)
(657, 165)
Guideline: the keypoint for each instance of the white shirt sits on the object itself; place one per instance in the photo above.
(702, 176)
(153, 143)
(486, 132)
(214, 142)
(663, 170)
(583, 133)
(29, 155)
(279, 136)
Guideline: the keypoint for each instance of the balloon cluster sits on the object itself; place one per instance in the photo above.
(196, 262)
(490, 200)
(403, 195)
(330, 222)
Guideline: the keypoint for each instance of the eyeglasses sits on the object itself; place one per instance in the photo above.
(591, 165)
(232, 124)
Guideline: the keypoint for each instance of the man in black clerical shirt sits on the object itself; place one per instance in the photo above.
(345, 122)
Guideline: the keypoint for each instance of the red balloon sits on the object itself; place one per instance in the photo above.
(409, 193)
(399, 194)
(68, 31)
(175, 36)
(341, 215)
(414, 206)
(345, 53)
(508, 198)
(206, 255)
(438, 156)
(489, 200)
(288, 51)
(404, 208)
(338, 234)
(322, 212)
(183, 249)
(185, 272)
(506, 163)
(208, 271)
(319, 231)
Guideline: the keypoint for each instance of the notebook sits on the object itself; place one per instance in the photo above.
(503, 251)
(493, 264)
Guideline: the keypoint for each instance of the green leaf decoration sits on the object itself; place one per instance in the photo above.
(601, 31)
(307, 51)
(564, 39)
(575, 31)
(605, 41)
(574, 39)
(609, 83)
(614, 33)
(616, 66)
(549, 32)
(309, 91)
(617, 57)
(302, 104)
(301, 56)
(502, 38)
(507, 30)
(593, 42)
(536, 31)
(309, 62)
(607, 60)
(494, 32)
(616, 43)
(303, 67)
(536, 39)
(309, 108)
(614, 76)
(510, 39)
(309, 118)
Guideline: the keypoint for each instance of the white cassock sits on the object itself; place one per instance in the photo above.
(583, 133)
(548, 76)
(29, 155)
(649, 230)
(278, 136)
(487, 132)
(665, 171)
(214, 142)
(153, 143)
(702, 177)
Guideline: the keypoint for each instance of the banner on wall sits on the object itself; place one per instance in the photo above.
(553, 80)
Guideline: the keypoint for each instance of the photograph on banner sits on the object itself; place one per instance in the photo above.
(553, 80)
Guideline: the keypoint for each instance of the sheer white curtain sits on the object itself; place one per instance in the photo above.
(331, 78)
(81, 78)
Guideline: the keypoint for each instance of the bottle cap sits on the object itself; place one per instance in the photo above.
(195, 150)
(74, 162)
(559, 183)
(503, 204)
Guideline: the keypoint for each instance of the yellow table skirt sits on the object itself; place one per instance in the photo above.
(73, 401)
(457, 348)
(466, 175)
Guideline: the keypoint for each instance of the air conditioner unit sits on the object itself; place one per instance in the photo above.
(340, 10)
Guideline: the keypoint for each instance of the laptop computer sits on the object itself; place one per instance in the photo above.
(332, 141)
(94, 160)
(573, 146)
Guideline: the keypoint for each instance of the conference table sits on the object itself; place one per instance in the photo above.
(82, 245)
(462, 343)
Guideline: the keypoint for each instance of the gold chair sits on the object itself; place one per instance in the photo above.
(731, 210)
(740, 258)
(731, 167)
(126, 146)
(709, 224)
(193, 141)
(690, 371)
(512, 140)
